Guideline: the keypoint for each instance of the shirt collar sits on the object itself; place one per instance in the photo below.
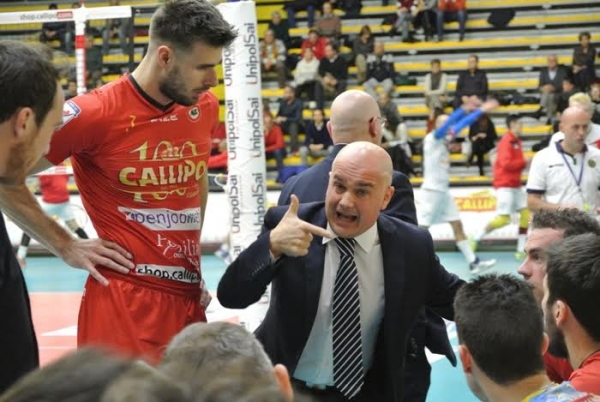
(366, 241)
(560, 149)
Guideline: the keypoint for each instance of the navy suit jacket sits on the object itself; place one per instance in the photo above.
(311, 186)
(413, 278)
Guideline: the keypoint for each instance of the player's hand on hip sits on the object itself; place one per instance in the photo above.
(86, 254)
(292, 236)
(205, 297)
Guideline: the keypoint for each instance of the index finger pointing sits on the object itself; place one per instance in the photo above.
(316, 230)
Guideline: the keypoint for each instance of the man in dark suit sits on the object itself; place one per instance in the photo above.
(551, 80)
(354, 117)
(348, 284)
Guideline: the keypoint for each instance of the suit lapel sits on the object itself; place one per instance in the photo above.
(314, 266)
(392, 249)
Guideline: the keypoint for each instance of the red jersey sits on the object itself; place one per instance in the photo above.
(587, 377)
(452, 5)
(558, 369)
(318, 47)
(510, 162)
(54, 188)
(134, 192)
(274, 139)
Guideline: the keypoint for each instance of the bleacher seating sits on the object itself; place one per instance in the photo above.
(511, 57)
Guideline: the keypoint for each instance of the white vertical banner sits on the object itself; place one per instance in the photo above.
(246, 181)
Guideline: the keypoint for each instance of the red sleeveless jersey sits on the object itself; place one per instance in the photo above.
(136, 192)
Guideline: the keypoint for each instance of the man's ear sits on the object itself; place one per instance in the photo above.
(545, 344)
(285, 384)
(465, 358)
(561, 312)
(22, 121)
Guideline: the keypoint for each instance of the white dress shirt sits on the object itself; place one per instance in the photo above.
(316, 362)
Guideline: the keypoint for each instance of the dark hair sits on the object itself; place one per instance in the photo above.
(182, 23)
(81, 376)
(585, 34)
(571, 222)
(568, 79)
(435, 61)
(27, 79)
(52, 6)
(511, 118)
(573, 276)
(499, 320)
(365, 29)
(474, 56)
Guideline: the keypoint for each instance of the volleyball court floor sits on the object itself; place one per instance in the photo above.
(55, 291)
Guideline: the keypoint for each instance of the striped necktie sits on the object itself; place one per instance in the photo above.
(348, 374)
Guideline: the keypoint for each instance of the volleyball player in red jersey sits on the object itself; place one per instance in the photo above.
(139, 148)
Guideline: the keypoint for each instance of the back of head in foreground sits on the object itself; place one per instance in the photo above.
(81, 376)
(30, 108)
(354, 116)
(200, 350)
(572, 295)
(500, 331)
(144, 383)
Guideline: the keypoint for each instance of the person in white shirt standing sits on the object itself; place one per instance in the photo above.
(566, 174)
(583, 101)
(437, 204)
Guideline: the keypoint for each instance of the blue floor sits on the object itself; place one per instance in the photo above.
(47, 274)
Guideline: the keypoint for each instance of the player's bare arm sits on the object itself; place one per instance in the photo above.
(22, 207)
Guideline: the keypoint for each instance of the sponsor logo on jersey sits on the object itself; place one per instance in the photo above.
(165, 119)
(194, 113)
(159, 219)
(173, 273)
(70, 111)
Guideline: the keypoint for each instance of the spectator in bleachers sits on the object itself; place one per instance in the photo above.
(584, 60)
(273, 54)
(328, 24)
(292, 7)
(274, 144)
(57, 31)
(93, 59)
(362, 46)
(351, 7)
(582, 101)
(380, 71)
(334, 73)
(483, 136)
(595, 97)
(568, 90)
(426, 15)
(318, 142)
(316, 43)
(436, 82)
(281, 29)
(571, 300)
(452, 10)
(406, 10)
(394, 130)
(501, 340)
(71, 89)
(289, 116)
(116, 28)
(551, 85)
(306, 77)
(472, 82)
